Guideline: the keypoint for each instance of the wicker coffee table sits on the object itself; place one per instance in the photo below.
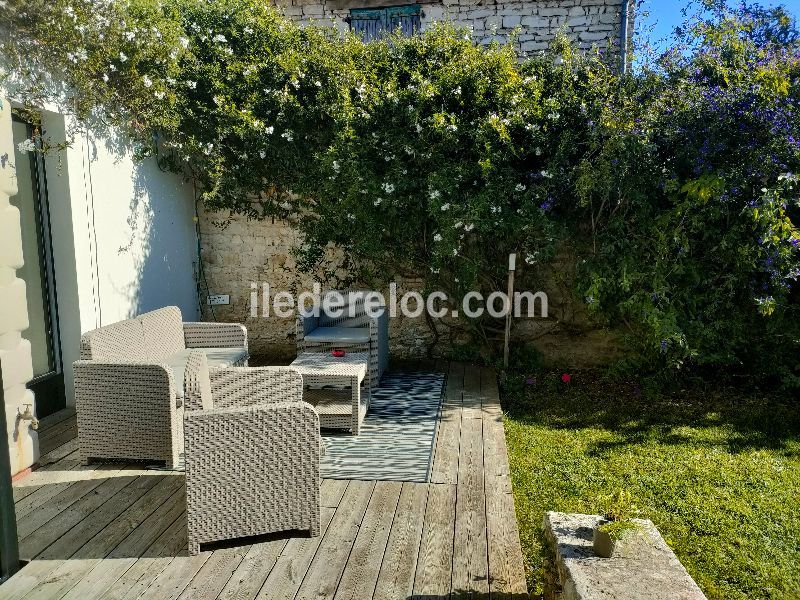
(333, 386)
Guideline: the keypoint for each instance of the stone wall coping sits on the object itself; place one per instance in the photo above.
(642, 568)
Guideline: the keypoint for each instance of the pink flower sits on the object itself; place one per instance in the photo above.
(566, 378)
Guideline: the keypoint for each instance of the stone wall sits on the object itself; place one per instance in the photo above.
(15, 351)
(588, 22)
(236, 252)
(247, 251)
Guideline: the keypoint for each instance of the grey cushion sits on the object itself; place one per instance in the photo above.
(339, 335)
(216, 357)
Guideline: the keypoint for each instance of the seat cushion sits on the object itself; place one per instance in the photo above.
(216, 357)
(339, 335)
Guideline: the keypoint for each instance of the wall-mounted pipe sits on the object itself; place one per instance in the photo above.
(623, 37)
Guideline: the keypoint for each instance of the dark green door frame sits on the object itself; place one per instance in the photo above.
(9, 548)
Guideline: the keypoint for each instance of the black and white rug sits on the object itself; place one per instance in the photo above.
(397, 436)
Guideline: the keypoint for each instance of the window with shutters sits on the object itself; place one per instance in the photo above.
(374, 23)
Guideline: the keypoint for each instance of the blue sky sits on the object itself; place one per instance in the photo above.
(666, 14)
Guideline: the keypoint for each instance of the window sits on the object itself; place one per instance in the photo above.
(374, 23)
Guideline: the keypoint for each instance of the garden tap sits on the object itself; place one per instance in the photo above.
(28, 416)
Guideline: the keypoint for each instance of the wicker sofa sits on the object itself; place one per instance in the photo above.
(353, 330)
(252, 453)
(129, 383)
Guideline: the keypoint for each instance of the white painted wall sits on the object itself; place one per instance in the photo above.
(123, 236)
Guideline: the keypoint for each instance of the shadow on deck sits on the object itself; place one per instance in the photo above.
(118, 531)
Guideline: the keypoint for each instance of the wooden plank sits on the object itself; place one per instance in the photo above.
(107, 569)
(47, 475)
(435, 562)
(33, 544)
(53, 442)
(363, 566)
(445, 457)
(506, 570)
(326, 569)
(36, 511)
(286, 576)
(472, 393)
(470, 547)
(331, 492)
(249, 576)
(215, 573)
(60, 416)
(148, 567)
(59, 453)
(62, 575)
(171, 582)
(45, 483)
(396, 577)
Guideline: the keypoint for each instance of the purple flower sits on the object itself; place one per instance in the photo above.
(530, 381)
(664, 344)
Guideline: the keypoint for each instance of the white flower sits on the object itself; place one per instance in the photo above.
(147, 81)
(269, 130)
(458, 225)
(287, 135)
(248, 30)
(538, 152)
(191, 85)
(445, 206)
(209, 147)
(105, 77)
(336, 166)
(159, 94)
(171, 80)
(129, 35)
(26, 146)
(377, 201)
(419, 128)
(469, 227)
(218, 100)
(520, 187)
(547, 174)
(530, 259)
(285, 205)
(184, 42)
(388, 188)
(455, 251)
(123, 57)
(262, 154)
(434, 194)
(437, 237)
(219, 38)
(351, 216)
(318, 83)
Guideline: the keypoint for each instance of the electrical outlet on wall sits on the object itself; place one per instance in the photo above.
(217, 299)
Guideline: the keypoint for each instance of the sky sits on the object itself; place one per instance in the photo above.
(666, 14)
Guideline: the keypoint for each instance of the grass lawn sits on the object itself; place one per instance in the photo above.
(717, 471)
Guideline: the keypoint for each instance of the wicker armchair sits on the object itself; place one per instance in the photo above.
(252, 453)
(354, 330)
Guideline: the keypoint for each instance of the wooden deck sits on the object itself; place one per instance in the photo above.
(116, 531)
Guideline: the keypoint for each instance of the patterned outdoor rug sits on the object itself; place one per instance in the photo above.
(397, 436)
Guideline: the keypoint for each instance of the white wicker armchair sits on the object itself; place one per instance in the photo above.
(252, 453)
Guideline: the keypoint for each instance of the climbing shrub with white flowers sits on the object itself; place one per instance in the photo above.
(433, 157)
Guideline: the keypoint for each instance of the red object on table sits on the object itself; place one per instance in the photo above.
(337, 353)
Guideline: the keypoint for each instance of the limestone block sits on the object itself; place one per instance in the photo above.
(643, 567)
(8, 179)
(16, 364)
(13, 307)
(10, 237)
